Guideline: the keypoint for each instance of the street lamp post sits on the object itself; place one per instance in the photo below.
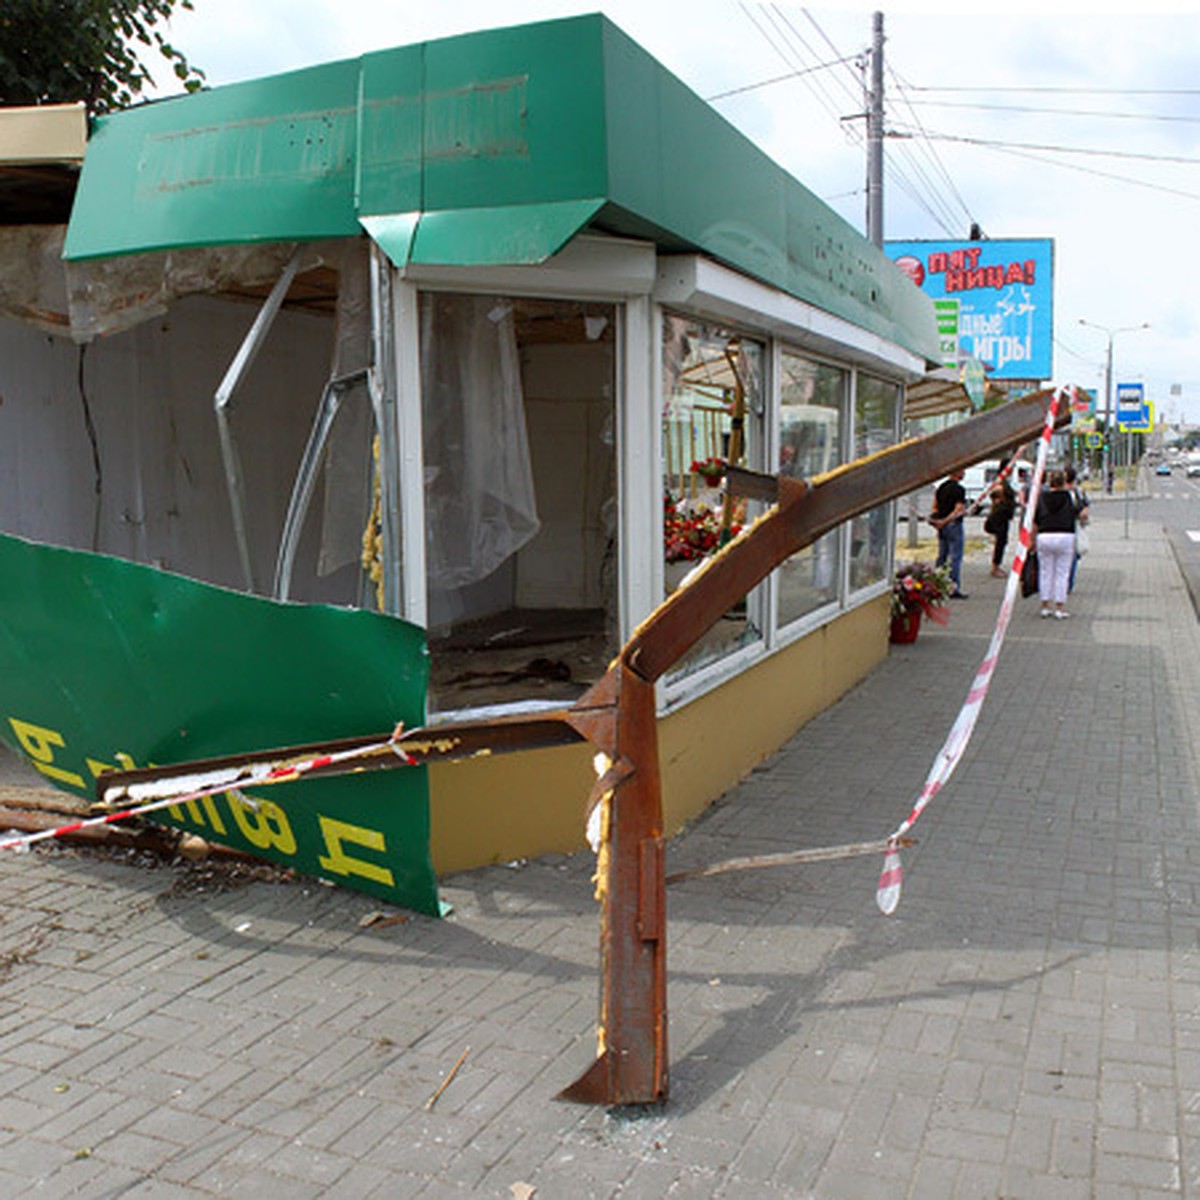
(1108, 394)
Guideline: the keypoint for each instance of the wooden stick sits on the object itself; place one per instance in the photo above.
(446, 1082)
(755, 862)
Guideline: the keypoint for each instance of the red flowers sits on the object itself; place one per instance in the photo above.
(692, 530)
(917, 585)
(712, 469)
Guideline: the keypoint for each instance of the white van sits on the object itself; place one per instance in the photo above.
(976, 479)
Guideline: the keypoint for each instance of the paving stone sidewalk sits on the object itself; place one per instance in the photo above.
(1026, 1025)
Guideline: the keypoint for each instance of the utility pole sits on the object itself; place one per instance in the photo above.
(875, 136)
(1109, 440)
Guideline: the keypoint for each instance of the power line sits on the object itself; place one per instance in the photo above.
(912, 178)
(797, 51)
(1069, 166)
(809, 81)
(826, 38)
(903, 152)
(944, 220)
(1055, 89)
(749, 87)
(815, 85)
(931, 150)
(1057, 112)
(853, 89)
(1085, 150)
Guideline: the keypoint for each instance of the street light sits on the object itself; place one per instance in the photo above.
(1108, 392)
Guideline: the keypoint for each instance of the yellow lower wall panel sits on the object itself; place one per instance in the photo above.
(515, 806)
(492, 810)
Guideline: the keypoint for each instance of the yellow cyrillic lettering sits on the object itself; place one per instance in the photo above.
(39, 744)
(339, 862)
(266, 827)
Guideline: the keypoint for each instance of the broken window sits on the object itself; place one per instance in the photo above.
(110, 443)
(520, 462)
(712, 416)
(812, 399)
(876, 420)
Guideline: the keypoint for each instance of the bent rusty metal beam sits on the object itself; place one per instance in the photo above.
(618, 716)
(631, 1061)
(418, 747)
(803, 511)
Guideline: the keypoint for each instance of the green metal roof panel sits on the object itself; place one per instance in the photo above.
(271, 160)
(518, 233)
(393, 233)
(390, 135)
(452, 144)
(515, 116)
(676, 161)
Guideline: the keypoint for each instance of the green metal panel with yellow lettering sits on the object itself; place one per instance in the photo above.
(109, 663)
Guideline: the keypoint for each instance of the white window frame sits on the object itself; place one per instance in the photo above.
(703, 288)
(627, 273)
(787, 633)
(871, 590)
(673, 693)
(619, 271)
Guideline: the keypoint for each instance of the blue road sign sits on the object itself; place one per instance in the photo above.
(1131, 400)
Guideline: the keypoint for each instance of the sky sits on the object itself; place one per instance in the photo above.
(1076, 122)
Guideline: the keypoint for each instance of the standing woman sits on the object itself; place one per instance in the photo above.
(1081, 519)
(1054, 523)
(1000, 515)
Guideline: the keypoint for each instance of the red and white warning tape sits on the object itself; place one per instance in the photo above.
(887, 894)
(182, 789)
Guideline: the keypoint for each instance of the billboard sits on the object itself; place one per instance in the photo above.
(1005, 293)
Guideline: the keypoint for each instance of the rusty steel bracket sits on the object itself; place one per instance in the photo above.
(618, 716)
(631, 1060)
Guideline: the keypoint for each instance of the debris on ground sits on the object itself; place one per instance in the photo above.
(225, 873)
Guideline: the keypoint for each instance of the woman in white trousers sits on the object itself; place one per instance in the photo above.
(1054, 522)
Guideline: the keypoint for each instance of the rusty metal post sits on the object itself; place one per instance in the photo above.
(631, 1059)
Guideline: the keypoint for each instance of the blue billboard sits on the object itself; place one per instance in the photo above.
(1004, 288)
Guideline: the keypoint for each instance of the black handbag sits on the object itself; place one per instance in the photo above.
(1029, 575)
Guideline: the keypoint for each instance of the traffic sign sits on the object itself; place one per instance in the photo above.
(1139, 422)
(1131, 397)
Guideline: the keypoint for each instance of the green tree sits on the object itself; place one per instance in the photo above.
(57, 51)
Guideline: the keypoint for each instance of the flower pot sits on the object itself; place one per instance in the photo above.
(905, 627)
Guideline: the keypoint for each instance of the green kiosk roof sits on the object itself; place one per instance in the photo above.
(492, 147)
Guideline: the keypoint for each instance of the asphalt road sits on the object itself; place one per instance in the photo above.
(1173, 501)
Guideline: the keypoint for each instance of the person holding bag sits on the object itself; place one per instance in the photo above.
(1054, 524)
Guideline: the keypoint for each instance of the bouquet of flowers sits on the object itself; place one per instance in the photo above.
(918, 586)
(710, 469)
(692, 529)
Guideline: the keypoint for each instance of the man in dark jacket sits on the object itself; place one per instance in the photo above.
(949, 508)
